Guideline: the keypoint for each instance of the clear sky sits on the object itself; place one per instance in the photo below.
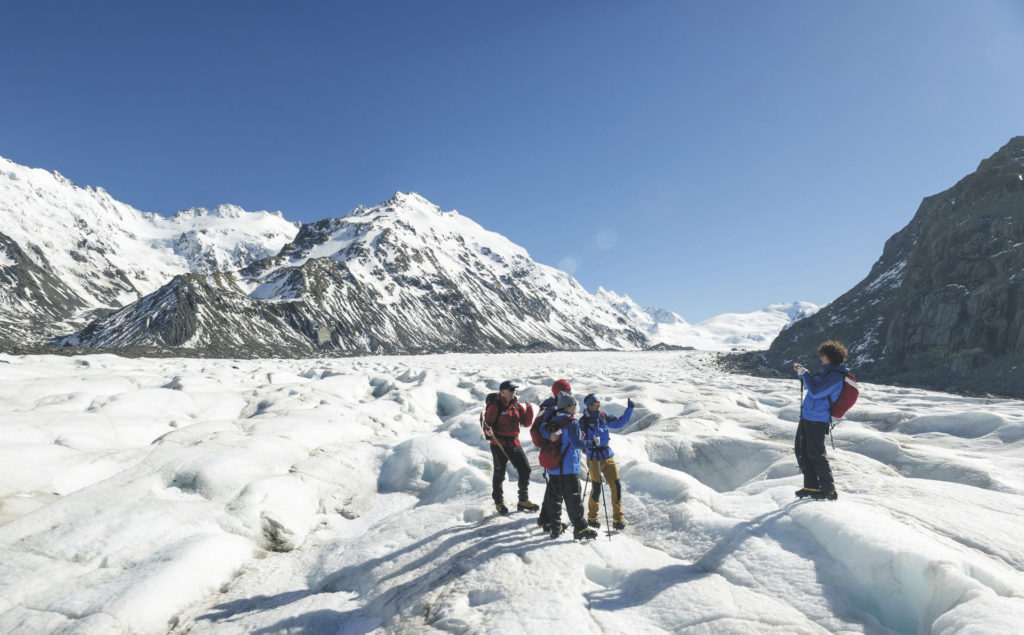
(703, 156)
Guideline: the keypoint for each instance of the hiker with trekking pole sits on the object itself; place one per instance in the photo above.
(501, 420)
(600, 460)
(565, 431)
(829, 393)
(552, 497)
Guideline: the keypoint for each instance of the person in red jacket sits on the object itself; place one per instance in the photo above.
(502, 419)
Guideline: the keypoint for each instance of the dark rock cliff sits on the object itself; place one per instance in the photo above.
(943, 308)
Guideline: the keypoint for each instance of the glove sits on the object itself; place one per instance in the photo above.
(629, 403)
(800, 370)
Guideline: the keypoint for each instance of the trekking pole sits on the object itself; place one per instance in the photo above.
(587, 484)
(604, 503)
(490, 432)
(498, 441)
(800, 403)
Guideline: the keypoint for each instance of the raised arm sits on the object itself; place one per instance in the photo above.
(618, 422)
(822, 390)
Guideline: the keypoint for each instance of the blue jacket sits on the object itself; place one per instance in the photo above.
(547, 403)
(595, 431)
(572, 442)
(822, 389)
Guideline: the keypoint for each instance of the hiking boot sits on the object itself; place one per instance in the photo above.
(804, 492)
(557, 529)
(526, 506)
(619, 525)
(584, 534)
(830, 495)
(595, 524)
(501, 508)
(543, 524)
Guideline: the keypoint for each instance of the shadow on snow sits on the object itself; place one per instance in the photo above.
(458, 551)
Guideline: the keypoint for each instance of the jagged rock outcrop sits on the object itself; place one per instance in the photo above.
(32, 299)
(943, 307)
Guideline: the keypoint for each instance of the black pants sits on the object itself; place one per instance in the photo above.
(519, 461)
(552, 501)
(810, 455)
(566, 487)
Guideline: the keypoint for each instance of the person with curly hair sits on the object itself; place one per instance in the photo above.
(823, 388)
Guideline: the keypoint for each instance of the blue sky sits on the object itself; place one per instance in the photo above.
(706, 157)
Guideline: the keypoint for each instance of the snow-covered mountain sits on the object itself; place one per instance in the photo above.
(80, 268)
(726, 332)
(69, 252)
(400, 277)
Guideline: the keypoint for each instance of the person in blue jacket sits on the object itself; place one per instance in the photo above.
(596, 425)
(815, 419)
(552, 499)
(564, 427)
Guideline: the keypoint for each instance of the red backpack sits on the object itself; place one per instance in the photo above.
(847, 396)
(535, 435)
(550, 451)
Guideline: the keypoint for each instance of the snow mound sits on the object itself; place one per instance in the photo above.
(966, 425)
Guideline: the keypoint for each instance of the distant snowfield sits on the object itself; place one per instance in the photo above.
(352, 495)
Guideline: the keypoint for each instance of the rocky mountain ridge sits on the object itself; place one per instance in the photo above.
(76, 253)
(82, 270)
(943, 307)
(401, 277)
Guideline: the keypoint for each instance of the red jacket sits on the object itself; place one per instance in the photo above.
(506, 419)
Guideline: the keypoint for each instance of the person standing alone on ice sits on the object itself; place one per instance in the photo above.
(503, 417)
(596, 425)
(564, 428)
(816, 418)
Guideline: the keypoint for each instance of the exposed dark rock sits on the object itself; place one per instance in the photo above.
(943, 308)
(33, 302)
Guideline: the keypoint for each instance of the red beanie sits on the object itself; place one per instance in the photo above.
(560, 386)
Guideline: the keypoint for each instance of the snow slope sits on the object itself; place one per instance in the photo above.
(726, 332)
(352, 495)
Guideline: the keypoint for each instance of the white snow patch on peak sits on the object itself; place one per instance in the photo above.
(664, 316)
(623, 301)
(757, 329)
(5, 259)
(413, 220)
(226, 211)
(110, 253)
(647, 318)
(413, 199)
(745, 331)
(795, 310)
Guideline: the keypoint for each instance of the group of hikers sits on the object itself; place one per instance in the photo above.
(558, 426)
